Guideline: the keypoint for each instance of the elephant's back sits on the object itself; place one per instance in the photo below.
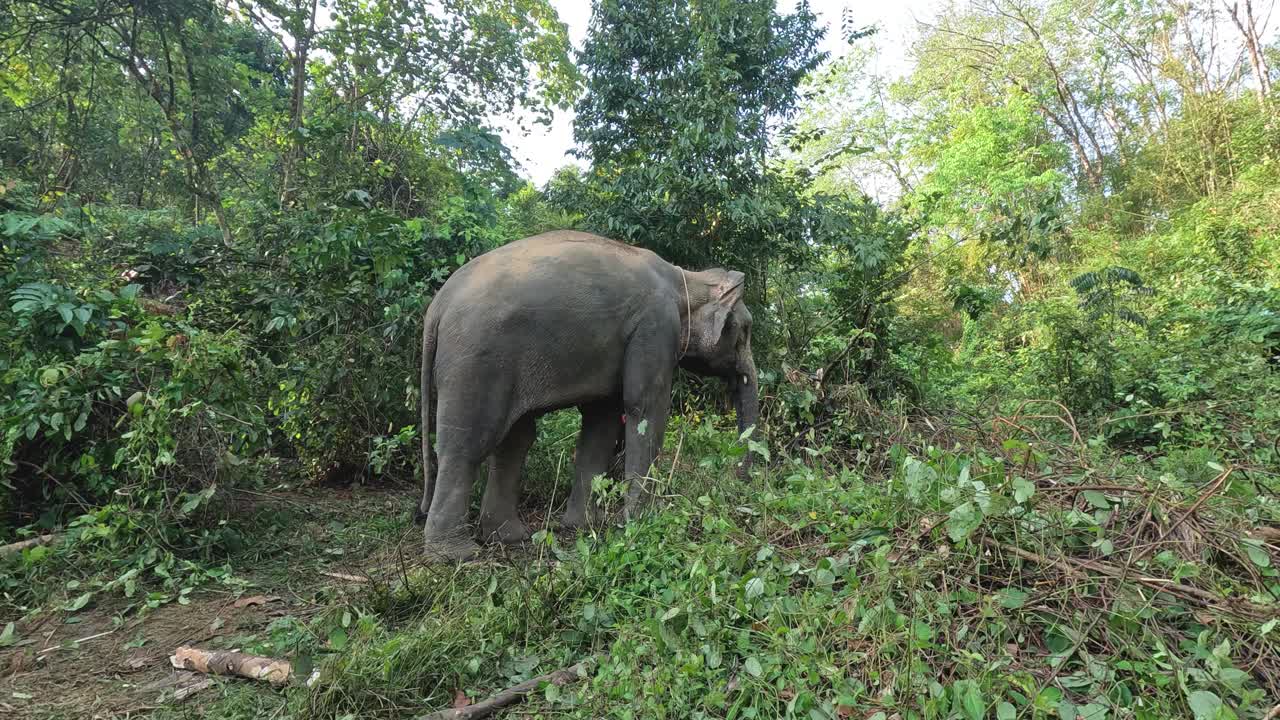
(558, 271)
(547, 318)
(568, 252)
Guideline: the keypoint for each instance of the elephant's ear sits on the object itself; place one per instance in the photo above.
(724, 292)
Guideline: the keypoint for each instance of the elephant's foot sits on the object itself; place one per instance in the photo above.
(576, 518)
(456, 546)
(511, 532)
(638, 501)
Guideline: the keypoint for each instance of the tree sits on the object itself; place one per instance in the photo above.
(1250, 28)
(677, 122)
(852, 132)
(1107, 298)
(182, 56)
(293, 26)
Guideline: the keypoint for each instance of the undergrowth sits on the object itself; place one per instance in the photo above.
(1015, 581)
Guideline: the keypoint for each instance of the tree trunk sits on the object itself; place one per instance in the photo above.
(303, 37)
(1248, 27)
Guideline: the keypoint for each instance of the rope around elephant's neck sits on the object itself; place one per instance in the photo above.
(688, 315)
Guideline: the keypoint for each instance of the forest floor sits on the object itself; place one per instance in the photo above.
(926, 584)
(318, 545)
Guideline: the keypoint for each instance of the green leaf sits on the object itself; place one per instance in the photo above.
(8, 637)
(303, 664)
(1204, 704)
(1234, 678)
(1048, 699)
(962, 521)
(1257, 553)
(969, 697)
(919, 478)
(755, 588)
(191, 503)
(78, 603)
(338, 638)
(753, 667)
(1012, 598)
(1006, 711)
(1092, 711)
(1023, 489)
(1097, 499)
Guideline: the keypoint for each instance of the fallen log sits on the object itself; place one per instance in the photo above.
(213, 662)
(511, 695)
(17, 547)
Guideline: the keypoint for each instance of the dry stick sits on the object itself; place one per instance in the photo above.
(1186, 592)
(1275, 713)
(510, 696)
(74, 644)
(276, 672)
(17, 547)
(676, 461)
(1099, 488)
(345, 576)
(187, 691)
(1214, 487)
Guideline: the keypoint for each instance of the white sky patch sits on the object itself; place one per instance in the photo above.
(545, 149)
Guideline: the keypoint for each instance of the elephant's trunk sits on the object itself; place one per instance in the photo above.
(746, 403)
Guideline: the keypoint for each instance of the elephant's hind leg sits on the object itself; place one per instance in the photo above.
(446, 534)
(498, 517)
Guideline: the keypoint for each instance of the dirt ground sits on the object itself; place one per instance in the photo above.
(107, 662)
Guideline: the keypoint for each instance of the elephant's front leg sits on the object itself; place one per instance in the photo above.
(648, 405)
(601, 427)
(498, 517)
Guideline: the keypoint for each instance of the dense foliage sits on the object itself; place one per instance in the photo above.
(1018, 315)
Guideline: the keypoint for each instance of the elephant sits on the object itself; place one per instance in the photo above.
(557, 320)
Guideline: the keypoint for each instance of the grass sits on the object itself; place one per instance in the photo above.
(1020, 581)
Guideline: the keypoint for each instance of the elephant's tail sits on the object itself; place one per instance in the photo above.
(429, 327)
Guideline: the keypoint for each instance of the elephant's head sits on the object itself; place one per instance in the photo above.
(720, 340)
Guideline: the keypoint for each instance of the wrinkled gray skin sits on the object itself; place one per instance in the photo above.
(553, 321)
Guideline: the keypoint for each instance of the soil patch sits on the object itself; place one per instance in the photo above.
(106, 661)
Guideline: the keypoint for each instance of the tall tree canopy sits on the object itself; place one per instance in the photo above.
(681, 107)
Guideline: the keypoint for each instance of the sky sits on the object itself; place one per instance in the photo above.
(545, 149)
